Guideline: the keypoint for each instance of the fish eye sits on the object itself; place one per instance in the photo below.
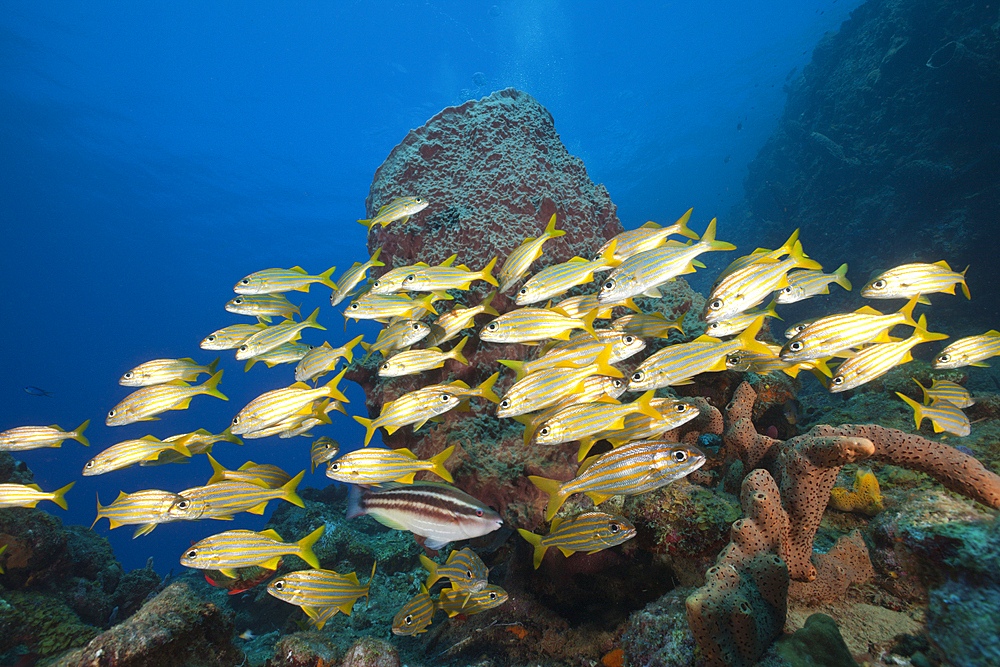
(609, 285)
(278, 585)
(679, 455)
(614, 528)
(211, 338)
(616, 383)
(637, 376)
(412, 276)
(238, 300)
(796, 346)
(493, 595)
(786, 290)
(334, 467)
(878, 284)
(445, 398)
(191, 554)
(479, 512)
(944, 357)
(90, 464)
(505, 403)
(415, 326)
(629, 339)
(111, 414)
(354, 306)
(236, 419)
(837, 381)
(543, 431)
(385, 366)
(408, 620)
(715, 325)
(680, 407)
(245, 281)
(715, 305)
(243, 348)
(523, 291)
(468, 573)
(492, 326)
(183, 504)
(129, 374)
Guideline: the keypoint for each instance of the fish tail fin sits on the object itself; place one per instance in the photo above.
(802, 260)
(311, 321)
(456, 352)
(553, 488)
(923, 389)
(551, 230)
(787, 246)
(367, 423)
(354, 507)
(770, 311)
(907, 311)
(306, 546)
(325, 278)
(288, 490)
(367, 222)
(748, 337)
(516, 366)
(218, 471)
(331, 387)
(99, 510)
(486, 388)
(374, 258)
(644, 405)
(439, 468)
(536, 542)
(487, 273)
(144, 529)
(603, 363)
(841, 278)
(78, 434)
(211, 386)
(682, 227)
(923, 335)
(708, 238)
(918, 410)
(588, 323)
(487, 308)
(349, 349)
(965, 288)
(58, 496)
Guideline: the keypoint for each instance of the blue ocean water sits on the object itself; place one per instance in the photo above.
(156, 153)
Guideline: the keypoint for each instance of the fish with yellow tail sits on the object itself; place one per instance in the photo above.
(944, 416)
(274, 281)
(130, 452)
(463, 568)
(391, 281)
(649, 236)
(372, 465)
(759, 256)
(915, 280)
(221, 500)
(159, 371)
(285, 353)
(548, 386)
(448, 325)
(273, 406)
(323, 449)
(264, 475)
(588, 531)
(147, 508)
(561, 278)
(263, 306)
(532, 326)
(352, 277)
(810, 282)
(396, 336)
(969, 351)
(231, 337)
(520, 260)
(436, 514)
(438, 278)
(628, 470)
(28, 495)
(145, 403)
(317, 591)
(581, 352)
(878, 359)
(946, 390)
(416, 615)
(412, 362)
(586, 421)
(649, 325)
(21, 438)
(383, 307)
(738, 323)
(416, 407)
(323, 359)
(233, 549)
(400, 208)
(267, 339)
(454, 601)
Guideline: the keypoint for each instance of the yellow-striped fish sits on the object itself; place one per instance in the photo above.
(745, 288)
(272, 281)
(415, 407)
(413, 362)
(759, 362)
(969, 351)
(561, 278)
(234, 549)
(352, 277)
(534, 325)
(323, 449)
(263, 306)
(946, 390)
(146, 508)
(549, 385)
(944, 416)
(585, 421)
(877, 359)
(520, 260)
(197, 442)
(28, 495)
(649, 236)
(267, 339)
(909, 280)
(808, 282)
(382, 307)
(222, 500)
(672, 414)
(415, 616)
(580, 352)
(231, 337)
(371, 466)
(648, 325)
(318, 590)
(437, 278)
(299, 422)
(463, 568)
(285, 353)
(263, 475)
(448, 325)
(159, 371)
(578, 306)
(738, 323)
(391, 281)
(273, 406)
(130, 452)
(588, 531)
(758, 256)
(835, 333)
(593, 389)
(627, 470)
(400, 208)
(32, 437)
(323, 359)
(455, 601)
(398, 335)
(145, 403)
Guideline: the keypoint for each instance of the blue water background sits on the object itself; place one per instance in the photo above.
(155, 153)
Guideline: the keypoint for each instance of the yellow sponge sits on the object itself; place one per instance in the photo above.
(865, 498)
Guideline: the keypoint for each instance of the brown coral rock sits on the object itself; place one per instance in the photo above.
(846, 563)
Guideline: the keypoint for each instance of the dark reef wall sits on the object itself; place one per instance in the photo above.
(890, 140)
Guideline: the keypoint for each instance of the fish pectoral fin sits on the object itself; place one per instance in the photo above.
(142, 530)
(435, 544)
(388, 523)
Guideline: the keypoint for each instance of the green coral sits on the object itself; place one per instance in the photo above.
(43, 624)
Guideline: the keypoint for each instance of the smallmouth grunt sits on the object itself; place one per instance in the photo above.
(648, 325)
(561, 278)
(263, 475)
(578, 306)
(808, 282)
(448, 325)
(145, 403)
(672, 414)
(372, 465)
(531, 326)
(463, 568)
(234, 549)
(396, 336)
(413, 362)
(32, 437)
(969, 351)
(285, 353)
(352, 277)
(28, 495)
(130, 452)
(588, 531)
(521, 258)
(267, 339)
(197, 442)
(272, 281)
(323, 449)
(946, 390)
(273, 406)
(649, 236)
(877, 359)
(547, 386)
(263, 306)
(146, 508)
(455, 601)
(318, 591)
(914, 280)
(299, 422)
(382, 307)
(416, 615)
(438, 278)
(437, 513)
(944, 416)
(738, 323)
(628, 470)
(400, 208)
(222, 500)
(585, 421)
(323, 359)
(230, 337)
(159, 371)
(581, 352)
(391, 281)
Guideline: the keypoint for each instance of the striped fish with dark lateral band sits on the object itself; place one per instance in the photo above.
(222, 500)
(549, 385)
(21, 438)
(909, 280)
(627, 470)
(264, 306)
(267, 339)
(455, 601)
(416, 615)
(264, 475)
(323, 449)
(285, 353)
(876, 360)
(352, 277)
(400, 208)
(943, 415)
(436, 278)
(463, 568)
(234, 549)
(835, 333)
(130, 452)
(273, 406)
(231, 337)
(649, 236)
(438, 513)
(323, 359)
(29, 495)
(372, 465)
(147, 508)
(412, 362)
(520, 260)
(159, 371)
(946, 390)
(531, 326)
(969, 351)
(396, 336)
(649, 325)
(584, 421)
(316, 591)
(588, 531)
(808, 283)
(561, 278)
(145, 403)
(271, 281)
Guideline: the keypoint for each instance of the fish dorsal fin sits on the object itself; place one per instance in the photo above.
(270, 532)
(866, 310)
(247, 465)
(651, 225)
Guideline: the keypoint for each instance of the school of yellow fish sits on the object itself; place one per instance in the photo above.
(568, 393)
